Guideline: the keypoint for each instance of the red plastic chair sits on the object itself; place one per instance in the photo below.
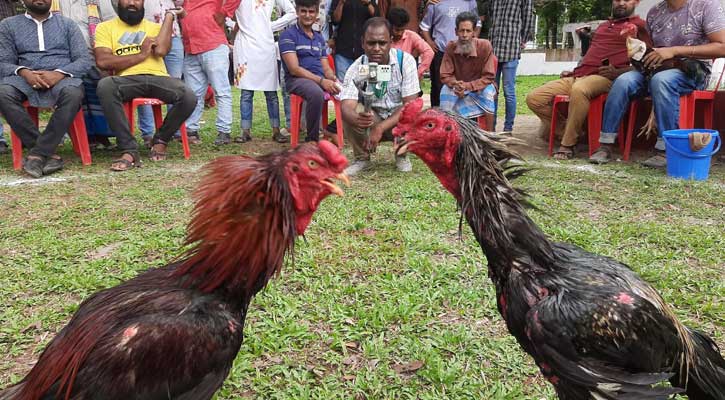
(688, 109)
(296, 111)
(594, 122)
(77, 132)
(130, 108)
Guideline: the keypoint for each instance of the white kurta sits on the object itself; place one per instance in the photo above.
(255, 54)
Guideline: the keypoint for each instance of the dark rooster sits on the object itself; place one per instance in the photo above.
(173, 332)
(594, 328)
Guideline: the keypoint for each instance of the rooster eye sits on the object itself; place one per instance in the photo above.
(295, 168)
(448, 128)
(430, 125)
(312, 164)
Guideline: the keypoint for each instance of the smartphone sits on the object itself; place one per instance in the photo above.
(605, 62)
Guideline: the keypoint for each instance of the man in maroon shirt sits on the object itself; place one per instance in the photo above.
(605, 60)
(206, 61)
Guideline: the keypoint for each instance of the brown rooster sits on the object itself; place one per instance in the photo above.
(173, 332)
(595, 329)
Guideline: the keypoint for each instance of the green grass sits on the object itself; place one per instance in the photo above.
(384, 301)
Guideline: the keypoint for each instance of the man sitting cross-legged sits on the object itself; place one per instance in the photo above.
(42, 60)
(134, 48)
(467, 73)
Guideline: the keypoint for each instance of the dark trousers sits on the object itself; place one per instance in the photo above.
(116, 90)
(314, 98)
(435, 79)
(67, 106)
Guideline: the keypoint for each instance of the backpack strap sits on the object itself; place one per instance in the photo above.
(400, 61)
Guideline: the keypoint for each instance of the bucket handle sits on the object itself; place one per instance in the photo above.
(676, 150)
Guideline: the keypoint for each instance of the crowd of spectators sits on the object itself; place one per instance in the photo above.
(99, 54)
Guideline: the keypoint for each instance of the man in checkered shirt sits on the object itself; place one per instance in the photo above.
(512, 26)
(364, 130)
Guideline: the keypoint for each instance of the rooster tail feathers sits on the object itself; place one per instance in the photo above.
(706, 374)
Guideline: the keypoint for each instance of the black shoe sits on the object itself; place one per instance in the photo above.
(52, 165)
(3, 147)
(243, 138)
(34, 166)
(279, 138)
(222, 139)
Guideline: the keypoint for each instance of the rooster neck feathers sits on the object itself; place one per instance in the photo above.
(493, 208)
(242, 226)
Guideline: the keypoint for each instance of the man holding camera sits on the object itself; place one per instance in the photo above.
(605, 60)
(376, 86)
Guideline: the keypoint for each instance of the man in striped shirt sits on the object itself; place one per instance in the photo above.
(512, 26)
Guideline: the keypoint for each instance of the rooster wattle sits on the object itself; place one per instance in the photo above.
(594, 328)
(173, 332)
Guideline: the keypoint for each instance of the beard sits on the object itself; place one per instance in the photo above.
(464, 47)
(36, 9)
(132, 18)
(618, 13)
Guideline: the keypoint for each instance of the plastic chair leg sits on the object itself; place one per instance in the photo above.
(338, 121)
(325, 115)
(633, 109)
(79, 136)
(17, 150)
(594, 122)
(296, 110)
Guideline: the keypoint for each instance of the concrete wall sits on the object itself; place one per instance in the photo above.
(536, 64)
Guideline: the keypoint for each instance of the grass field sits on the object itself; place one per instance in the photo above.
(383, 301)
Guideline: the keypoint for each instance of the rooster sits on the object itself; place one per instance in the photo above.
(594, 328)
(173, 332)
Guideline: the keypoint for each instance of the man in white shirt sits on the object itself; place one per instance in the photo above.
(364, 130)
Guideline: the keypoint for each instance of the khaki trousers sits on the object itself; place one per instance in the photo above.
(580, 92)
(358, 136)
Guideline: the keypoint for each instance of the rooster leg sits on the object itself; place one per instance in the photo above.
(650, 127)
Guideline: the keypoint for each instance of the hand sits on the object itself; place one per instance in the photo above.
(147, 46)
(459, 91)
(431, 2)
(50, 78)
(329, 86)
(331, 44)
(34, 80)
(433, 46)
(566, 74)
(376, 134)
(608, 72)
(363, 120)
(655, 58)
(219, 18)
(177, 12)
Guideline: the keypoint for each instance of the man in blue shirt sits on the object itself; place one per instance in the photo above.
(438, 27)
(42, 60)
(307, 71)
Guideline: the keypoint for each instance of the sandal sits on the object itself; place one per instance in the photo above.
(157, 155)
(564, 153)
(603, 155)
(122, 164)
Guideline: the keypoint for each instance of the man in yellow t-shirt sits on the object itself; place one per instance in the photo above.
(134, 48)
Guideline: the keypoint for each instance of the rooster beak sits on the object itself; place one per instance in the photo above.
(333, 187)
(402, 147)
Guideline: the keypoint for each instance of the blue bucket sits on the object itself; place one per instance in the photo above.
(684, 163)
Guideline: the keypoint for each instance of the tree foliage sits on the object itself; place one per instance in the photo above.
(553, 13)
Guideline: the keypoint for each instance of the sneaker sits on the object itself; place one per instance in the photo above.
(279, 137)
(603, 155)
(356, 167)
(3, 147)
(34, 166)
(222, 138)
(402, 163)
(245, 137)
(656, 161)
(52, 165)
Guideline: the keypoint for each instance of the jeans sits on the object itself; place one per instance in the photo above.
(665, 87)
(435, 79)
(508, 70)
(285, 96)
(314, 98)
(342, 64)
(246, 106)
(2, 138)
(66, 107)
(200, 70)
(174, 61)
(116, 90)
